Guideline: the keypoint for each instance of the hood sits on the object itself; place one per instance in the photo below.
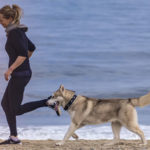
(13, 26)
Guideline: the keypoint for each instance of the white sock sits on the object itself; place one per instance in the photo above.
(14, 138)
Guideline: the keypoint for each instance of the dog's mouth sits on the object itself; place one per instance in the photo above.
(54, 104)
(56, 107)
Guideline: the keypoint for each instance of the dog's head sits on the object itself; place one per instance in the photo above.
(56, 99)
(57, 96)
(61, 96)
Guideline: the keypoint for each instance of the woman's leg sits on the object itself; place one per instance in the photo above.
(27, 107)
(12, 100)
(8, 107)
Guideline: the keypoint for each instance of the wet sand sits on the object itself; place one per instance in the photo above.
(77, 145)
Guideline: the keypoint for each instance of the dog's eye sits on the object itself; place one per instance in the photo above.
(52, 96)
(55, 97)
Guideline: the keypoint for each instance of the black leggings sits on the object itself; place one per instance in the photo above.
(12, 100)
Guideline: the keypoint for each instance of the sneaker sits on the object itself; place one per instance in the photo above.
(55, 106)
(10, 141)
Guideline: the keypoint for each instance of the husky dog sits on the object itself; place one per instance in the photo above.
(88, 111)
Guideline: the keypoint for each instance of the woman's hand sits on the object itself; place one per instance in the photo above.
(17, 63)
(7, 74)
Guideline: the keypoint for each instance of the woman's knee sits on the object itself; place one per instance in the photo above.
(18, 111)
(3, 104)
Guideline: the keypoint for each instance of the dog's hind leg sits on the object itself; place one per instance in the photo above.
(135, 128)
(116, 127)
(129, 120)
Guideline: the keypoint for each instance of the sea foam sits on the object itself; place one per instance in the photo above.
(58, 132)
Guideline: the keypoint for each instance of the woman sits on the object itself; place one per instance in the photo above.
(19, 49)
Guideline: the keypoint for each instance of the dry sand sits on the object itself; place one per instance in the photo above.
(77, 145)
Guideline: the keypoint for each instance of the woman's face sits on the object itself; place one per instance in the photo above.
(5, 22)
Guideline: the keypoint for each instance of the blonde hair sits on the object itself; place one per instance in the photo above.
(14, 12)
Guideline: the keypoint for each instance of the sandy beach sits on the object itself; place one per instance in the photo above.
(77, 145)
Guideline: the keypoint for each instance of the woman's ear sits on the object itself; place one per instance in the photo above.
(11, 20)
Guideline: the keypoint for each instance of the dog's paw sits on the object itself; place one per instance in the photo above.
(59, 143)
(75, 136)
(143, 144)
(112, 143)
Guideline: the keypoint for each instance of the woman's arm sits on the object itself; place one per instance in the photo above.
(17, 63)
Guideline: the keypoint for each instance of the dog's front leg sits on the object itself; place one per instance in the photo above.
(69, 133)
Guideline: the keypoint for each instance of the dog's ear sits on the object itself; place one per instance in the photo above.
(62, 88)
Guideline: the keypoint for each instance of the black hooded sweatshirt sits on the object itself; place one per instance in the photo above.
(18, 44)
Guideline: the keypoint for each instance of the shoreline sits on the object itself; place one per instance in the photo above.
(77, 145)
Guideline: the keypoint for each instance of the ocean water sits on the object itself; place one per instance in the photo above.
(97, 48)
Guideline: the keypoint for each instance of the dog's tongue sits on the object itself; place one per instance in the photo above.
(57, 109)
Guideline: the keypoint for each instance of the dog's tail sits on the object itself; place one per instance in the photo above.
(141, 101)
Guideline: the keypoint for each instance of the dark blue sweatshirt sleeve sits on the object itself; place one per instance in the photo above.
(31, 46)
(19, 42)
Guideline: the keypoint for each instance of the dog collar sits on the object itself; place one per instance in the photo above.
(70, 103)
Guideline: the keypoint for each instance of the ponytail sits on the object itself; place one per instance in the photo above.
(18, 13)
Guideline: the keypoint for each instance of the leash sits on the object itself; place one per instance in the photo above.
(70, 103)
